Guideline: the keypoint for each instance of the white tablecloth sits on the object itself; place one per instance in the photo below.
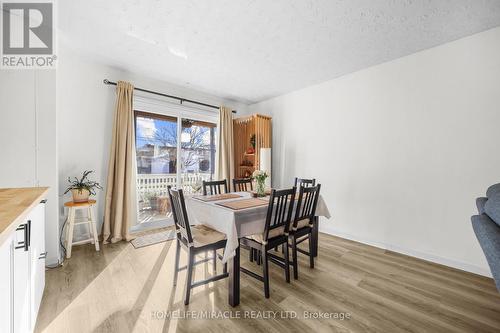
(235, 223)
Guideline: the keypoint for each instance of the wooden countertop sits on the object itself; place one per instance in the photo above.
(15, 204)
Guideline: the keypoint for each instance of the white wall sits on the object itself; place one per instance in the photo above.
(85, 108)
(401, 149)
(28, 140)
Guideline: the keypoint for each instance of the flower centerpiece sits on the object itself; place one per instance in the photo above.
(82, 188)
(260, 178)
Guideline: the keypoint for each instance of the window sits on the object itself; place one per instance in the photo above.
(197, 153)
(156, 143)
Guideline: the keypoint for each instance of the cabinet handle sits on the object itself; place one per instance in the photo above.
(43, 255)
(25, 244)
(28, 238)
(21, 244)
(43, 201)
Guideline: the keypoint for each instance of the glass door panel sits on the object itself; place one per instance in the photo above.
(197, 154)
(156, 157)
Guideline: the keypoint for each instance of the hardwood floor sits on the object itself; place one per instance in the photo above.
(123, 289)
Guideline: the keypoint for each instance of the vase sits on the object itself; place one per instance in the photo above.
(80, 195)
(261, 190)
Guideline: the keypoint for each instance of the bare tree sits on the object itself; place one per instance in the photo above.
(167, 137)
(195, 143)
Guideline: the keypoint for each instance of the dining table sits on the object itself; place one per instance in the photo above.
(237, 215)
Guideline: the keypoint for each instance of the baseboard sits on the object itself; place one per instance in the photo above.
(409, 252)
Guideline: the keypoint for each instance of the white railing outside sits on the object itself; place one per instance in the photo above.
(156, 184)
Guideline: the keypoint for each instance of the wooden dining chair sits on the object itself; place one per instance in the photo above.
(304, 182)
(278, 219)
(242, 185)
(214, 187)
(195, 240)
(302, 225)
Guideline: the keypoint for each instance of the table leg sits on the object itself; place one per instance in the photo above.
(315, 235)
(234, 279)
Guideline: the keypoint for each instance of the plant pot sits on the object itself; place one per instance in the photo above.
(80, 195)
(154, 204)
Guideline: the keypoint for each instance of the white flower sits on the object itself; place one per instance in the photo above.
(260, 175)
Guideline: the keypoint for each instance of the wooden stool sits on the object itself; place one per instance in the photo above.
(90, 221)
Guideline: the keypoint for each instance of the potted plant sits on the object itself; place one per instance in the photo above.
(260, 178)
(152, 199)
(82, 188)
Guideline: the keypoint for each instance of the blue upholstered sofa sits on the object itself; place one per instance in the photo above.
(487, 228)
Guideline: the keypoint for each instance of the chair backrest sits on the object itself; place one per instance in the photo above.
(279, 211)
(180, 215)
(214, 187)
(306, 204)
(299, 182)
(241, 185)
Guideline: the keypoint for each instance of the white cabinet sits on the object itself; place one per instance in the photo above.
(22, 273)
(37, 262)
(21, 279)
(6, 286)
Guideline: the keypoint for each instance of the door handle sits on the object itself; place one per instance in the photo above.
(43, 255)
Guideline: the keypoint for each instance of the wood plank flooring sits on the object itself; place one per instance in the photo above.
(123, 289)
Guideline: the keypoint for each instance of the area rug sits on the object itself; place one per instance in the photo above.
(153, 238)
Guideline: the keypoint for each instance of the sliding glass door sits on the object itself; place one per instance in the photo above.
(165, 136)
(156, 158)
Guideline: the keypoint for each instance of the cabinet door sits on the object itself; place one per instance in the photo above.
(21, 278)
(6, 286)
(37, 253)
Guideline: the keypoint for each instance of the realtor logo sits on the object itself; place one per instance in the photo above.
(28, 35)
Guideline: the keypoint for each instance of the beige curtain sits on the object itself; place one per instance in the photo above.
(120, 192)
(225, 161)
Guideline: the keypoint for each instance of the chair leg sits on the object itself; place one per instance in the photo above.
(189, 276)
(69, 230)
(214, 253)
(287, 262)
(311, 251)
(294, 258)
(266, 272)
(177, 255)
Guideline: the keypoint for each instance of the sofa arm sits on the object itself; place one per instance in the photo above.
(480, 202)
(488, 235)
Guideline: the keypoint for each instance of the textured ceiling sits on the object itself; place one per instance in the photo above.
(253, 50)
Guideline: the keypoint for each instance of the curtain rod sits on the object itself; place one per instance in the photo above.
(106, 81)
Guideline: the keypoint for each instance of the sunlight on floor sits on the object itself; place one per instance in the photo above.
(142, 286)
